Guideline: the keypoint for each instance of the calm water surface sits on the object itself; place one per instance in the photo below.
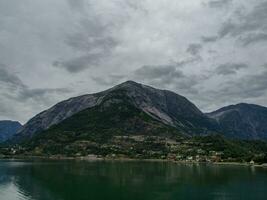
(70, 180)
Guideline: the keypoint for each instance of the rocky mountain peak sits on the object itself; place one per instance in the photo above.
(166, 106)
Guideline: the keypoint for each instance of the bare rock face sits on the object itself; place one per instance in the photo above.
(165, 106)
(57, 114)
(161, 104)
(245, 121)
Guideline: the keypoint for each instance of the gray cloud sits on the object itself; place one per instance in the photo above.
(229, 28)
(166, 72)
(110, 80)
(246, 24)
(14, 83)
(218, 3)
(207, 39)
(79, 64)
(186, 62)
(40, 94)
(228, 89)
(167, 76)
(253, 38)
(8, 78)
(250, 86)
(92, 39)
(76, 4)
(14, 91)
(91, 34)
(230, 68)
(194, 49)
(53, 50)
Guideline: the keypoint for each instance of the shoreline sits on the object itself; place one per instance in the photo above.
(93, 159)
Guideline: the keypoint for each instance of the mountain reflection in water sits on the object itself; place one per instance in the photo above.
(68, 180)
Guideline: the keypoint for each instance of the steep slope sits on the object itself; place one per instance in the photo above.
(245, 121)
(167, 107)
(8, 129)
(115, 116)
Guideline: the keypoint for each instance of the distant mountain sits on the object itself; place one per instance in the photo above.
(8, 129)
(163, 106)
(243, 121)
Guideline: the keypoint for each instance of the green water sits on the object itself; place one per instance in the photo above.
(70, 180)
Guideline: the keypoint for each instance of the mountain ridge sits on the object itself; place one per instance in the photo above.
(166, 106)
(163, 105)
(243, 120)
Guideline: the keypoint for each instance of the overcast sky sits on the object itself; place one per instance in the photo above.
(214, 52)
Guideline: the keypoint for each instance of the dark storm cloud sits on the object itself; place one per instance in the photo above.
(230, 68)
(218, 3)
(194, 49)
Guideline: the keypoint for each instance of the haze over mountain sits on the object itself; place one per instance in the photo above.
(8, 129)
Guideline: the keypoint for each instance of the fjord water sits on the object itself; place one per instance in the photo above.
(76, 180)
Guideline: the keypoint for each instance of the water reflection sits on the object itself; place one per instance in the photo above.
(68, 180)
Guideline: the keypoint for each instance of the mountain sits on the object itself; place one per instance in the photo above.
(98, 126)
(163, 106)
(8, 129)
(137, 121)
(243, 121)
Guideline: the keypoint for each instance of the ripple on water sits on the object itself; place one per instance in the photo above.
(11, 192)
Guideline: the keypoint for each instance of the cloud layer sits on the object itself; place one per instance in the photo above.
(211, 51)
